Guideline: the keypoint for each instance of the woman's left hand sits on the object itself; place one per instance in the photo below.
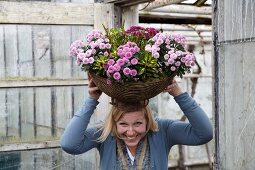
(173, 89)
(93, 90)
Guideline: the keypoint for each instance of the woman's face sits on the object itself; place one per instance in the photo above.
(131, 127)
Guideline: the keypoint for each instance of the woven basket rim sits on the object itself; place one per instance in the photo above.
(132, 91)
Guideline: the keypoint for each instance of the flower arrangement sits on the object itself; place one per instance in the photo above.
(135, 54)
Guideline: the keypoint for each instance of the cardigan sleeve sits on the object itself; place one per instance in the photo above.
(77, 138)
(195, 132)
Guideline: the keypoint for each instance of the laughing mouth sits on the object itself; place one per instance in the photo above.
(130, 138)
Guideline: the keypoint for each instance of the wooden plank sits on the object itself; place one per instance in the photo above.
(43, 69)
(161, 3)
(3, 115)
(43, 106)
(42, 51)
(63, 108)
(172, 15)
(175, 27)
(79, 93)
(184, 9)
(40, 83)
(27, 114)
(2, 52)
(127, 3)
(131, 16)
(25, 51)
(11, 50)
(104, 17)
(60, 50)
(13, 112)
(29, 146)
(46, 13)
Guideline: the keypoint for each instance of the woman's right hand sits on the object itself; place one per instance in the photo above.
(93, 90)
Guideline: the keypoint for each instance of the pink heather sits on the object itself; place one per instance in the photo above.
(116, 76)
(111, 69)
(137, 49)
(78, 62)
(102, 46)
(132, 50)
(108, 46)
(170, 61)
(156, 55)
(111, 62)
(116, 67)
(126, 49)
(173, 68)
(133, 72)
(120, 62)
(106, 53)
(167, 41)
(178, 53)
(134, 61)
(88, 53)
(178, 63)
(173, 56)
(94, 51)
(105, 66)
(91, 60)
(159, 42)
(81, 56)
(183, 59)
(128, 55)
(85, 60)
(126, 71)
(166, 56)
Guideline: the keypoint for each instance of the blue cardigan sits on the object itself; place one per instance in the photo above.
(77, 138)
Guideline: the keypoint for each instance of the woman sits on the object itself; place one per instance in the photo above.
(130, 138)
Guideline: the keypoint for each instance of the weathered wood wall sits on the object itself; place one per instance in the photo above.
(234, 41)
(41, 88)
(40, 85)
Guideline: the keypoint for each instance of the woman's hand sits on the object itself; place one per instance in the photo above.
(93, 90)
(173, 89)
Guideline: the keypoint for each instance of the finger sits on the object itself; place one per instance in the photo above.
(89, 77)
(91, 83)
(93, 89)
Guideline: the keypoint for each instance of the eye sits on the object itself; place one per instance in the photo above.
(122, 124)
(138, 123)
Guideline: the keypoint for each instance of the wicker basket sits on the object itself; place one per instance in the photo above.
(132, 91)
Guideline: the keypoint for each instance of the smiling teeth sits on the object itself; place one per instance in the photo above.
(130, 137)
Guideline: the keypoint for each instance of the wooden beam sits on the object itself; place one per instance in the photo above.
(29, 146)
(173, 15)
(40, 83)
(184, 9)
(46, 13)
(104, 15)
(126, 3)
(160, 3)
(200, 3)
(175, 27)
(130, 15)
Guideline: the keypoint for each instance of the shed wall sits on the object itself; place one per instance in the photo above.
(235, 81)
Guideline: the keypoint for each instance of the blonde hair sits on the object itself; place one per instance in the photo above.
(118, 109)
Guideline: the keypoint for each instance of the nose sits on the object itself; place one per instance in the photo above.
(130, 131)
